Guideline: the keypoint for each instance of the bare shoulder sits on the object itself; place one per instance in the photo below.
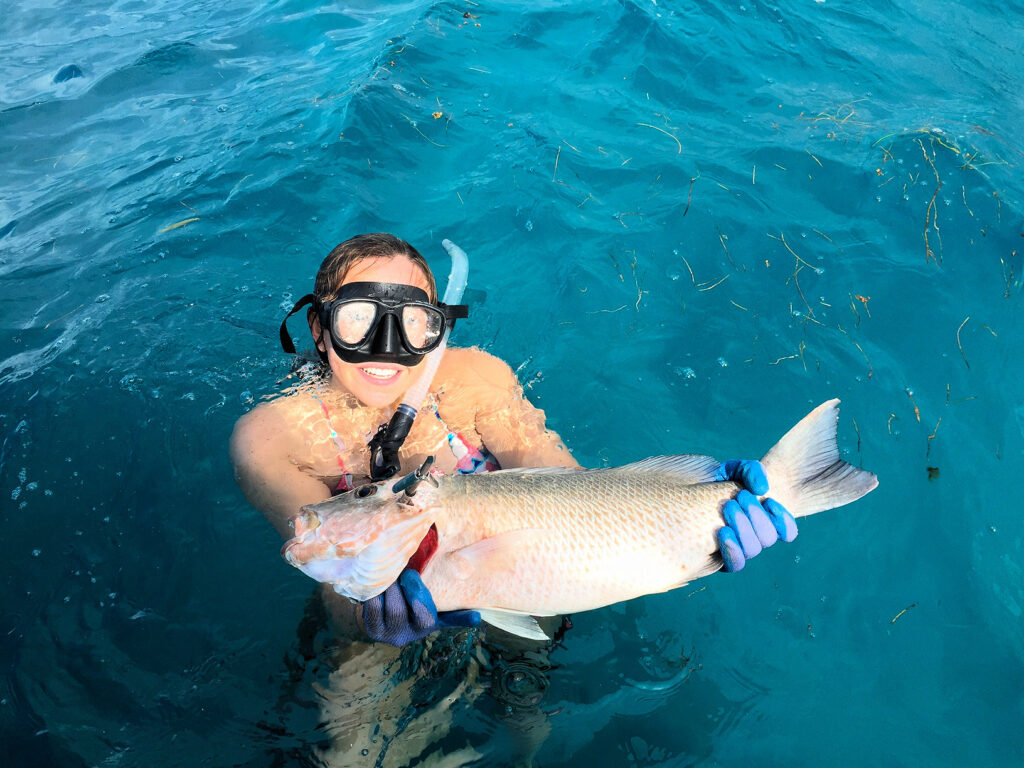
(270, 429)
(474, 368)
(273, 459)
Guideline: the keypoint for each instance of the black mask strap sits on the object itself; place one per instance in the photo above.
(286, 341)
(454, 311)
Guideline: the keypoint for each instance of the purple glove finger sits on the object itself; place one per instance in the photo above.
(763, 526)
(781, 519)
(396, 611)
(463, 618)
(747, 472)
(421, 610)
(373, 614)
(736, 519)
(732, 553)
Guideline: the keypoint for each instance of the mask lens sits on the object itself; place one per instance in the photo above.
(352, 321)
(422, 326)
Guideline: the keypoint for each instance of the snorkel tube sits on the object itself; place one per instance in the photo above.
(389, 438)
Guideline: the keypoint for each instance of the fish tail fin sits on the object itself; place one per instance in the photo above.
(805, 473)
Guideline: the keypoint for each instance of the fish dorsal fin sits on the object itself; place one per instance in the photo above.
(691, 468)
(515, 623)
(493, 553)
(532, 471)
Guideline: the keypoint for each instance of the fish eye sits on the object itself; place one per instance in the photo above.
(365, 490)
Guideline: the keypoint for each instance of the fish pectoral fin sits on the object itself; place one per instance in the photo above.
(495, 553)
(690, 468)
(380, 564)
(515, 623)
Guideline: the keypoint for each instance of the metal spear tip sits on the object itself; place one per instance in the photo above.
(410, 482)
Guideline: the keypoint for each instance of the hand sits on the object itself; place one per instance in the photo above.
(405, 613)
(750, 524)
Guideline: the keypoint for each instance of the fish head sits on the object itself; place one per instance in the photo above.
(358, 541)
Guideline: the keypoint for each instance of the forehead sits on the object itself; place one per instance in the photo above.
(389, 269)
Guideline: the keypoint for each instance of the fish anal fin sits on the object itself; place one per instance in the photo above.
(514, 622)
(713, 564)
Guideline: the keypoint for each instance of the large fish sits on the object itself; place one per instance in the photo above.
(537, 542)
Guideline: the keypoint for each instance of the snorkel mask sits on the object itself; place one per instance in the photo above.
(379, 322)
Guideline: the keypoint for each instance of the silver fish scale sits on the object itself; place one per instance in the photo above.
(570, 540)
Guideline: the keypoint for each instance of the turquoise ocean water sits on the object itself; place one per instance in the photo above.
(689, 222)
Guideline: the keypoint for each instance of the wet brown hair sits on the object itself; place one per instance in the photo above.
(376, 245)
(341, 259)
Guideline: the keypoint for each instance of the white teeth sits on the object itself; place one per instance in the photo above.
(381, 373)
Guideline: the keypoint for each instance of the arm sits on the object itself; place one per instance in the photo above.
(262, 451)
(265, 471)
(511, 427)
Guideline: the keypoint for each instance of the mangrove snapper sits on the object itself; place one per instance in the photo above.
(540, 542)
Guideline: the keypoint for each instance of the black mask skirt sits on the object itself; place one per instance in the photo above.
(379, 323)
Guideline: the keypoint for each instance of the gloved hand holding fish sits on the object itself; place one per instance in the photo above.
(519, 543)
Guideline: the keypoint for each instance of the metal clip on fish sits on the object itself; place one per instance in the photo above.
(410, 482)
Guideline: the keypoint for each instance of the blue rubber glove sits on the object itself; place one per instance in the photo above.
(750, 525)
(405, 613)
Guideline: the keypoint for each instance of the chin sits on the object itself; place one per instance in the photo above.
(376, 398)
(372, 391)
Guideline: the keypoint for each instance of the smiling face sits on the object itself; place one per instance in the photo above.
(375, 384)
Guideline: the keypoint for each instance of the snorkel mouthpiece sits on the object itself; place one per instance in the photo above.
(389, 438)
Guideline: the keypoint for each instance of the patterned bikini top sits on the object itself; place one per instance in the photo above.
(469, 459)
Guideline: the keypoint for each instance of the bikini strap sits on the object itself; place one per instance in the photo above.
(345, 483)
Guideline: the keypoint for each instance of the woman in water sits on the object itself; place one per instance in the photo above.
(374, 316)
